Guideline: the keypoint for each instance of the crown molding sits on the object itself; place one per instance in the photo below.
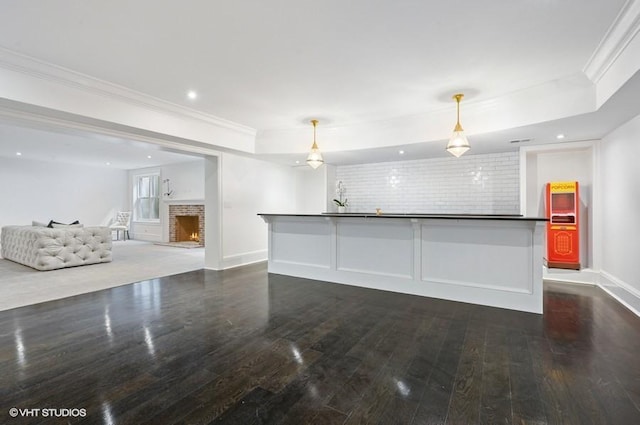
(41, 121)
(59, 75)
(621, 32)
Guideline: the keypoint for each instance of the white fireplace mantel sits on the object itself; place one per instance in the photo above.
(171, 201)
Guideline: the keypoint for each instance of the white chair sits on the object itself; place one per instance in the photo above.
(122, 222)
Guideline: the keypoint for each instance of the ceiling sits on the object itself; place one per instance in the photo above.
(274, 65)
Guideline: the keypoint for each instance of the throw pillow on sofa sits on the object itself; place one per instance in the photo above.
(51, 223)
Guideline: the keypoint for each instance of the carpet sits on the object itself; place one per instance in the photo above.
(133, 261)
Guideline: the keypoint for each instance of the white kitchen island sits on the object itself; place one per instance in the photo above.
(493, 260)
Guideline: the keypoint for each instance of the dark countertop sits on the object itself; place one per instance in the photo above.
(423, 216)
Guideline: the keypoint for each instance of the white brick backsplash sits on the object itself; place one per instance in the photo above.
(480, 184)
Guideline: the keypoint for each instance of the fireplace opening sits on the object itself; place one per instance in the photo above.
(186, 225)
(187, 228)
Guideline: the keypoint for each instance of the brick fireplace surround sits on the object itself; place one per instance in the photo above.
(186, 210)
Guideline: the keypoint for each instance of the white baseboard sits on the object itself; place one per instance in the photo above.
(624, 293)
(148, 237)
(586, 276)
(244, 259)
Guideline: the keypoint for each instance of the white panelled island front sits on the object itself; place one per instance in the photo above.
(493, 260)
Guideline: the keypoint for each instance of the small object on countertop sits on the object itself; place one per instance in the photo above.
(378, 211)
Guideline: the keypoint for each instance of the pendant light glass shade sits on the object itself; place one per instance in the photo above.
(315, 157)
(458, 143)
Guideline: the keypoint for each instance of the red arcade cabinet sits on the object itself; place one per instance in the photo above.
(563, 227)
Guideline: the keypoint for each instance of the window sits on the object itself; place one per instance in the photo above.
(146, 197)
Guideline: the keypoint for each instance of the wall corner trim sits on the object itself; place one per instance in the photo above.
(623, 292)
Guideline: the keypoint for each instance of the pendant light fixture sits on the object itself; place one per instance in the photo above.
(458, 143)
(315, 157)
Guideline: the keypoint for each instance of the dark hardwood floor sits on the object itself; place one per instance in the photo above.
(244, 347)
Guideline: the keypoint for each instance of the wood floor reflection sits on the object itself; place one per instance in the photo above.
(245, 347)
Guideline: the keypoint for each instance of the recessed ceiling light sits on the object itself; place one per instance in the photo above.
(401, 152)
(149, 156)
(18, 153)
(297, 162)
(108, 163)
(192, 94)
(560, 136)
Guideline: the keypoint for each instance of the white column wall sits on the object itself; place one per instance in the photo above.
(620, 212)
(251, 186)
(212, 213)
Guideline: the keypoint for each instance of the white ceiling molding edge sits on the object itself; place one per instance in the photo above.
(567, 97)
(33, 82)
(53, 124)
(617, 57)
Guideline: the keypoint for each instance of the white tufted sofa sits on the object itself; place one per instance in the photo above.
(44, 248)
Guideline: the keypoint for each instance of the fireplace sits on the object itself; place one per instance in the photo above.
(186, 223)
(187, 228)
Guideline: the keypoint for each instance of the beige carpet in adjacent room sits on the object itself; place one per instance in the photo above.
(133, 261)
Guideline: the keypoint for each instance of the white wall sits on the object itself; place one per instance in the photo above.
(311, 189)
(480, 184)
(186, 182)
(619, 173)
(186, 179)
(249, 187)
(42, 191)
